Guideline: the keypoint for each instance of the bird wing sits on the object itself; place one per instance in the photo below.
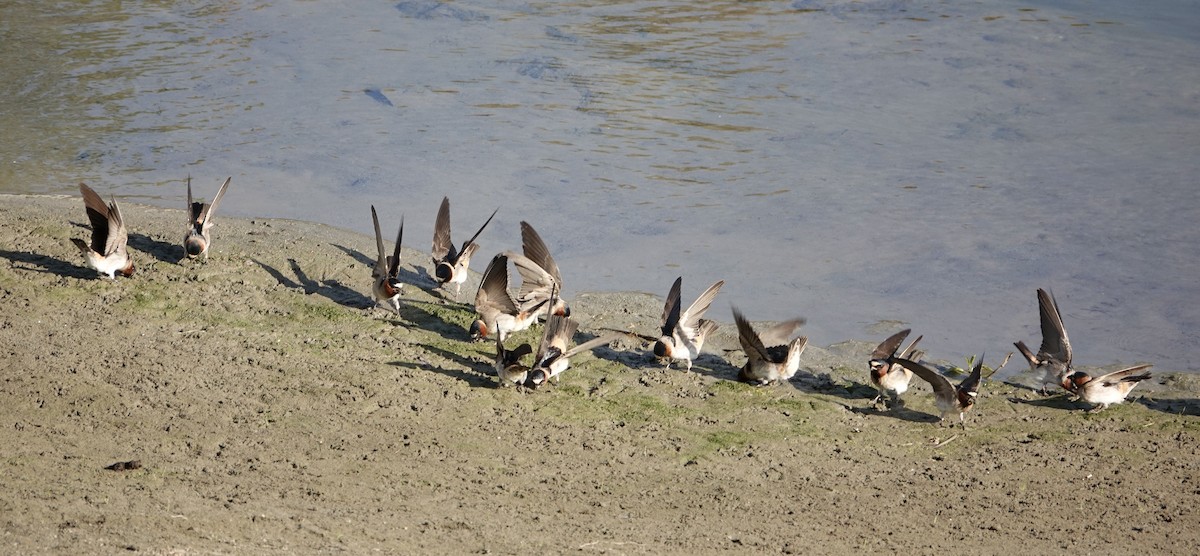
(592, 344)
(193, 207)
(780, 334)
(443, 248)
(536, 284)
(748, 338)
(941, 386)
(556, 334)
(466, 246)
(118, 236)
(97, 213)
(534, 248)
(888, 347)
(690, 318)
(971, 383)
(671, 309)
(211, 209)
(394, 262)
(911, 352)
(1115, 377)
(1055, 343)
(493, 288)
(380, 259)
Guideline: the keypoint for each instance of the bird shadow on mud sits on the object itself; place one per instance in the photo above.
(811, 382)
(612, 351)
(161, 250)
(1174, 406)
(713, 366)
(430, 320)
(1062, 402)
(357, 255)
(42, 263)
(900, 412)
(479, 375)
(331, 289)
(1020, 386)
(858, 397)
(418, 279)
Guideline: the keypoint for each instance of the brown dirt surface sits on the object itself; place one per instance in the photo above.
(271, 409)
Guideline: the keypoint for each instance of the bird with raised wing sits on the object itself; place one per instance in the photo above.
(553, 356)
(450, 264)
(508, 365)
(949, 399)
(890, 379)
(539, 274)
(386, 275)
(1053, 358)
(499, 314)
(108, 252)
(199, 235)
(772, 356)
(682, 333)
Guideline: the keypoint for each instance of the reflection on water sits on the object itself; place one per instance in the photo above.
(850, 161)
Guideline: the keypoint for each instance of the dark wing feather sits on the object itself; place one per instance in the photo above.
(748, 338)
(380, 260)
(443, 248)
(1054, 336)
(471, 241)
(493, 287)
(394, 262)
(671, 309)
(534, 248)
(971, 383)
(194, 208)
(117, 235)
(97, 213)
(888, 347)
(940, 385)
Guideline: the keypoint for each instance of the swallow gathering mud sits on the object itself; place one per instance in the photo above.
(195, 243)
(772, 353)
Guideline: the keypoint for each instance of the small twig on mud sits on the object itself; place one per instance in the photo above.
(616, 543)
(1002, 364)
(945, 442)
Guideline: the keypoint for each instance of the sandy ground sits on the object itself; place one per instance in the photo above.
(273, 410)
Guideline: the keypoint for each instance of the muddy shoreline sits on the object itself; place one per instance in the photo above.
(271, 409)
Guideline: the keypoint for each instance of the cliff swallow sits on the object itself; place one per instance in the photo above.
(539, 274)
(889, 379)
(198, 237)
(499, 314)
(450, 265)
(682, 333)
(553, 357)
(770, 357)
(386, 275)
(107, 253)
(1105, 390)
(950, 400)
(508, 365)
(1054, 357)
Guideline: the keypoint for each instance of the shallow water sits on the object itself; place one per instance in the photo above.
(856, 163)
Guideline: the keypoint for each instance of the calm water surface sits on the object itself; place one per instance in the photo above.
(852, 162)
